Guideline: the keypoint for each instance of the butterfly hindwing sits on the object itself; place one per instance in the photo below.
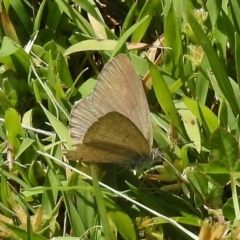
(112, 136)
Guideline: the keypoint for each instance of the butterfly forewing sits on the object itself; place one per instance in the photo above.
(82, 117)
(118, 89)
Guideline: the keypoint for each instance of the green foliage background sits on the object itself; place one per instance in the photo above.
(51, 53)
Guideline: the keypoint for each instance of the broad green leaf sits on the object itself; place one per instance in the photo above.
(228, 209)
(218, 171)
(122, 221)
(8, 47)
(191, 125)
(91, 45)
(223, 147)
(14, 128)
(87, 87)
(209, 117)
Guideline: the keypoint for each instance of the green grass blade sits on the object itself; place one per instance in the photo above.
(101, 206)
(218, 68)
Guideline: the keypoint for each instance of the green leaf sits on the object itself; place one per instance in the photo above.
(122, 221)
(91, 45)
(214, 7)
(23, 15)
(4, 101)
(8, 47)
(218, 171)
(235, 11)
(147, 10)
(76, 17)
(128, 22)
(85, 201)
(228, 209)
(91, 8)
(218, 68)
(24, 145)
(173, 40)
(14, 128)
(122, 41)
(191, 125)
(108, 233)
(87, 87)
(63, 71)
(237, 57)
(199, 181)
(209, 119)
(73, 215)
(39, 16)
(223, 147)
(164, 97)
(35, 173)
(22, 233)
(202, 81)
(49, 197)
(223, 114)
(60, 129)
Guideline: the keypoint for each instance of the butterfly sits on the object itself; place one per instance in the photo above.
(113, 124)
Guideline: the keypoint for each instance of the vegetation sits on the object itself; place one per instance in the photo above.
(51, 53)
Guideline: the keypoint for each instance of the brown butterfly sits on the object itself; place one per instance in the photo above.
(113, 124)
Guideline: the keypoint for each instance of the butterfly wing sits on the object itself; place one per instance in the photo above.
(112, 137)
(118, 89)
(82, 117)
